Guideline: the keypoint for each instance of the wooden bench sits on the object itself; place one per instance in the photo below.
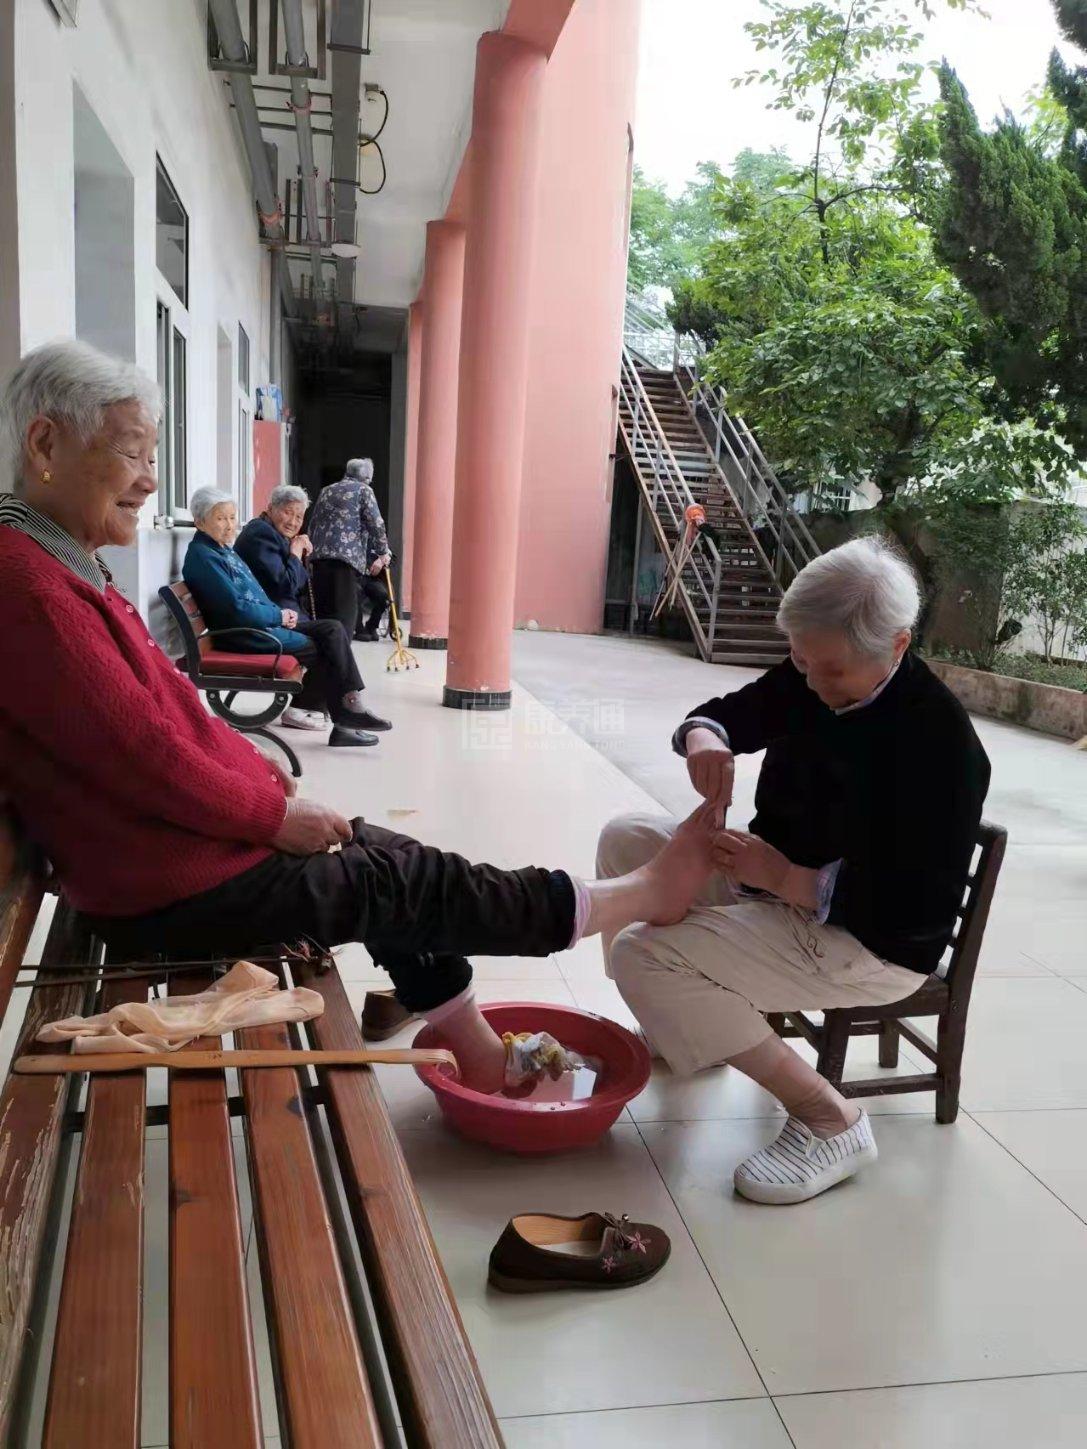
(946, 998)
(351, 1354)
(222, 674)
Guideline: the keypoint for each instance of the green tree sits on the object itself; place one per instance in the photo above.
(668, 236)
(1012, 225)
(831, 323)
(1047, 575)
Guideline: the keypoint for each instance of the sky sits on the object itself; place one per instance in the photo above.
(688, 112)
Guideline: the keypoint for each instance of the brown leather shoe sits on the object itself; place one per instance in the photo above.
(383, 1016)
(537, 1252)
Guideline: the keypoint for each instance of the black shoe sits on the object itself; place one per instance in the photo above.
(366, 636)
(346, 739)
(360, 719)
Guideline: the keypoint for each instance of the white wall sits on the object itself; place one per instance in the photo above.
(142, 67)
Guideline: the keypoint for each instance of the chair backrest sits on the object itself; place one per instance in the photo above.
(185, 612)
(974, 911)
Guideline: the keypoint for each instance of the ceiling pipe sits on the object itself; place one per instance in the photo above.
(232, 45)
(301, 104)
(345, 46)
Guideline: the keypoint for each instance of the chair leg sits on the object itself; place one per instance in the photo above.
(950, 1039)
(292, 758)
(888, 1044)
(834, 1043)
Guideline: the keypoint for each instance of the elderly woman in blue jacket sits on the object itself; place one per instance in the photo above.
(230, 597)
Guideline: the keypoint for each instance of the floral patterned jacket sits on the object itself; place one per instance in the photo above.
(347, 524)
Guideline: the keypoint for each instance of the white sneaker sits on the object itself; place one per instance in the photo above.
(301, 719)
(798, 1165)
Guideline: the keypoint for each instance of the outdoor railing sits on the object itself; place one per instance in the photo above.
(743, 468)
(664, 486)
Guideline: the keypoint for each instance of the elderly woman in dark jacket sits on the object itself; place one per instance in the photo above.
(231, 597)
(276, 549)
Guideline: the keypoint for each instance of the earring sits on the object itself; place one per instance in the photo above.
(47, 477)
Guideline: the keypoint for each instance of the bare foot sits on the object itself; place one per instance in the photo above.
(680, 871)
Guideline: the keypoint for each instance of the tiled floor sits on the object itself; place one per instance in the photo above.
(938, 1301)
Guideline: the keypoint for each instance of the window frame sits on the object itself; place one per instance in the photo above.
(174, 442)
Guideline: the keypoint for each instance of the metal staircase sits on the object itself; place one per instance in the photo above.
(686, 448)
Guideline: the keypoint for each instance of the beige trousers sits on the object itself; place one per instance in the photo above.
(700, 988)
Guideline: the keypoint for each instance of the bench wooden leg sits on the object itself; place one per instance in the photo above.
(834, 1044)
(776, 1020)
(888, 1044)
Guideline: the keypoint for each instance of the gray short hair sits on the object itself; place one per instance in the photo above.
(72, 383)
(205, 499)
(286, 493)
(360, 468)
(865, 590)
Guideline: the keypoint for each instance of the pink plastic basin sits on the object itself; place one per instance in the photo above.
(531, 1127)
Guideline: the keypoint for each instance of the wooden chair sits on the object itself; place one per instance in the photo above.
(947, 999)
(348, 1359)
(222, 675)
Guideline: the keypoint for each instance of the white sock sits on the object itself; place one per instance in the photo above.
(582, 904)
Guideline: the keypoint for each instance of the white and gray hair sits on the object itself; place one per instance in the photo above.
(285, 493)
(864, 589)
(360, 468)
(72, 383)
(205, 499)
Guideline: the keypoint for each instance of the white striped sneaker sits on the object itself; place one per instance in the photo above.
(798, 1165)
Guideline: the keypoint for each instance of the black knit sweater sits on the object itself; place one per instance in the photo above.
(894, 790)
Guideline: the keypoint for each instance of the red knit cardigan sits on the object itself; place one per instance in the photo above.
(138, 796)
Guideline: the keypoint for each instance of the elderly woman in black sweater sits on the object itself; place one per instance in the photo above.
(844, 891)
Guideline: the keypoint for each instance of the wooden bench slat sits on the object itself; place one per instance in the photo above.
(94, 1387)
(31, 1121)
(21, 891)
(324, 1388)
(439, 1387)
(214, 1397)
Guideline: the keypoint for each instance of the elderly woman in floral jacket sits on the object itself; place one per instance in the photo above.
(350, 550)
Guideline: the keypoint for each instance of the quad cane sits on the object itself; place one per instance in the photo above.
(400, 658)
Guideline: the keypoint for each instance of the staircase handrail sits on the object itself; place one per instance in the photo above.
(791, 534)
(646, 428)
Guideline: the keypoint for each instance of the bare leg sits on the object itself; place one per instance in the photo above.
(797, 1086)
(479, 1050)
(662, 892)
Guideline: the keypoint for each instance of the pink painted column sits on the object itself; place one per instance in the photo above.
(435, 468)
(493, 369)
(411, 449)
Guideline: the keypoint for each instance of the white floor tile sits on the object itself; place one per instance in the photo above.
(1051, 1145)
(668, 1341)
(1025, 1046)
(1048, 1412)
(945, 1260)
(745, 1424)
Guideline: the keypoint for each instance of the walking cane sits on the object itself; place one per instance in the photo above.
(400, 658)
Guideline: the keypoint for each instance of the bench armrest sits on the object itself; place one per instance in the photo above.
(276, 643)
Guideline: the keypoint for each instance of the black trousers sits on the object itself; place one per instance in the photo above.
(419, 911)
(336, 592)
(377, 594)
(331, 670)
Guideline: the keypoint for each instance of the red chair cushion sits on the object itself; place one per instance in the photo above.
(220, 661)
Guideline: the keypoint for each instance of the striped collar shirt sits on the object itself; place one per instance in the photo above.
(15, 513)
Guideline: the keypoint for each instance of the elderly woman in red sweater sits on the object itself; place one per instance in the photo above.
(168, 829)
